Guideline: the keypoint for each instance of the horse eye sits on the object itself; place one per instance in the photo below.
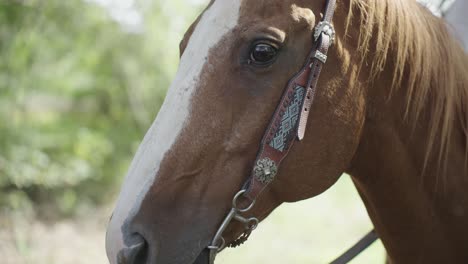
(262, 54)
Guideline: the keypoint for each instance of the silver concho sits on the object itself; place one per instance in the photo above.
(326, 28)
(265, 170)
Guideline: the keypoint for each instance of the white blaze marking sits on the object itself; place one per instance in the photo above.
(218, 20)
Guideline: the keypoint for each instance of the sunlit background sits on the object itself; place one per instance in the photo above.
(80, 82)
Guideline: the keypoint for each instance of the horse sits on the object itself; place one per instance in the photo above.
(390, 109)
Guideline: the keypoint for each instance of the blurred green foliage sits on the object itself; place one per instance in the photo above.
(77, 92)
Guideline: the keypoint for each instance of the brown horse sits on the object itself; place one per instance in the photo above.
(391, 110)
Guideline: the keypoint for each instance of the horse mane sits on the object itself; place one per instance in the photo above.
(425, 56)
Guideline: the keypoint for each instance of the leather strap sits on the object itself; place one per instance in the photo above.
(317, 64)
(290, 118)
(281, 132)
(316, 67)
(357, 249)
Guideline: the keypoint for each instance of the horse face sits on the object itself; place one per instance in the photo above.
(236, 60)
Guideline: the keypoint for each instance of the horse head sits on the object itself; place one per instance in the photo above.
(236, 60)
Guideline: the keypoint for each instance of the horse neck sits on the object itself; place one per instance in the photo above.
(418, 206)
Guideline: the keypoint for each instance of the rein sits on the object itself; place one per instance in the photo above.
(287, 125)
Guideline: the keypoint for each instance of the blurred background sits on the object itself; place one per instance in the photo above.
(80, 83)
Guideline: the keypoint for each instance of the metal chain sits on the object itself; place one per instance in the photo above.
(241, 239)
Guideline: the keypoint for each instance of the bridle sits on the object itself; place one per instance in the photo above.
(287, 124)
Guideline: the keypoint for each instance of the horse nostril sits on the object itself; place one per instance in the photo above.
(136, 253)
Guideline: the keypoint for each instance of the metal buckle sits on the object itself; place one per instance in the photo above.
(326, 28)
